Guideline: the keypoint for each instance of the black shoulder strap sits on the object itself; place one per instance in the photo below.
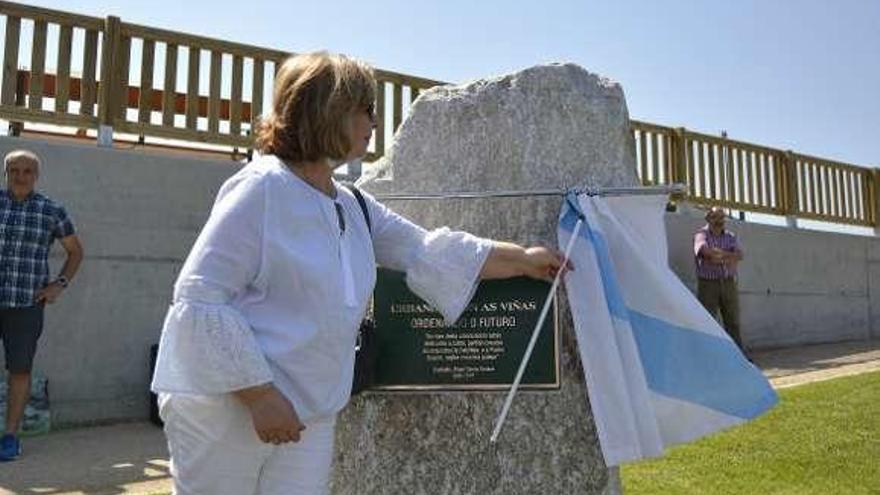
(361, 201)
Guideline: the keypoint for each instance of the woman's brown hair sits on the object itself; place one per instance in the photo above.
(314, 96)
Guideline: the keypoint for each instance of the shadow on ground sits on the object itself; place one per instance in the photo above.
(805, 359)
(133, 458)
(103, 460)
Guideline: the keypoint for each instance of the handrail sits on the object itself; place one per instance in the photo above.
(202, 42)
(50, 15)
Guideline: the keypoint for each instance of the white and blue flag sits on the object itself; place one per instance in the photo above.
(659, 369)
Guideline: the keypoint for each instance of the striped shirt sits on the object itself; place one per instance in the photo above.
(705, 240)
(27, 230)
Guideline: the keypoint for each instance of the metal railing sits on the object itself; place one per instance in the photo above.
(213, 91)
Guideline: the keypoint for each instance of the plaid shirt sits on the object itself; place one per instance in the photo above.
(27, 230)
(705, 239)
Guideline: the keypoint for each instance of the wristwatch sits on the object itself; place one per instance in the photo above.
(62, 281)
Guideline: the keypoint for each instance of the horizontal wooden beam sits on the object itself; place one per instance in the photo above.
(183, 134)
(50, 90)
(50, 15)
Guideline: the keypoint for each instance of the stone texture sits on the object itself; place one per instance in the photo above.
(545, 127)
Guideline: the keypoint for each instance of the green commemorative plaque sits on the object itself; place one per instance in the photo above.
(480, 351)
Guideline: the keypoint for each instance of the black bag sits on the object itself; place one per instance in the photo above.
(365, 350)
(365, 357)
(154, 399)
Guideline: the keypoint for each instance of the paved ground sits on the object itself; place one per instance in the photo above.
(104, 460)
(132, 458)
(797, 365)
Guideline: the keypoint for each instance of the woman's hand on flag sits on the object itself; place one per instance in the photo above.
(510, 260)
(545, 263)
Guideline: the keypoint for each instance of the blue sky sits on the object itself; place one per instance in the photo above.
(801, 75)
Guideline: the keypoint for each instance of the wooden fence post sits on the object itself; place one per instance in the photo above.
(680, 158)
(379, 132)
(13, 90)
(790, 190)
(21, 90)
(874, 206)
(109, 96)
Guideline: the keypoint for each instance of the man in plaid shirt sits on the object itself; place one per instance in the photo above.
(29, 224)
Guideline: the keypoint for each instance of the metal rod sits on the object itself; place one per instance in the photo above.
(528, 354)
(597, 191)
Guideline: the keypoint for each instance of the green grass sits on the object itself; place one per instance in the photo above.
(822, 438)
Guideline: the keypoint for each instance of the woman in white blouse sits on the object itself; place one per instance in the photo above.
(257, 350)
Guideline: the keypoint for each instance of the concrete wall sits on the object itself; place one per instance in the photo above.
(796, 286)
(138, 214)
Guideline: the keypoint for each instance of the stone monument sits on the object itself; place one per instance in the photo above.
(546, 127)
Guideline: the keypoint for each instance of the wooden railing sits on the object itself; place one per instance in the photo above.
(213, 91)
(832, 191)
(104, 96)
(21, 99)
(200, 115)
(748, 177)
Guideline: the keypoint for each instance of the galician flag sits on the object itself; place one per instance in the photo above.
(659, 369)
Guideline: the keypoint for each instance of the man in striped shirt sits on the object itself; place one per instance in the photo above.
(717, 253)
